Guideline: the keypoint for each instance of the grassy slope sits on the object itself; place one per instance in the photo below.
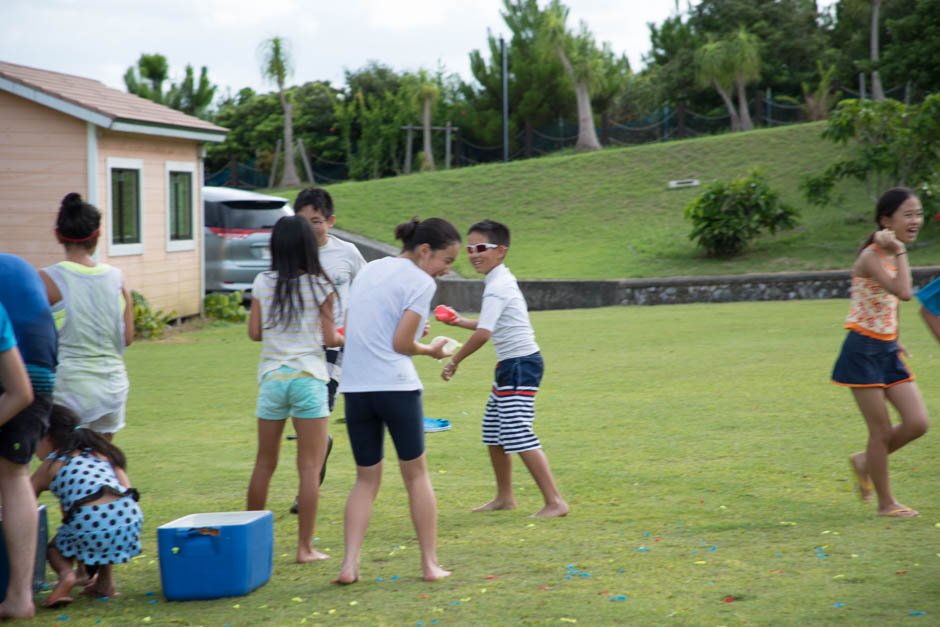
(609, 214)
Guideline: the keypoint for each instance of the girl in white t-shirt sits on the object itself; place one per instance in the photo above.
(292, 315)
(388, 305)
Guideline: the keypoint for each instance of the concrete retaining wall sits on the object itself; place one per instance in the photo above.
(466, 294)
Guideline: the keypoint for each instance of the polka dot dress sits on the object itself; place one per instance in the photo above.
(108, 533)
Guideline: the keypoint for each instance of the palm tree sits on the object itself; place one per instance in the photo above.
(276, 67)
(877, 92)
(745, 50)
(730, 63)
(583, 63)
(427, 93)
(153, 68)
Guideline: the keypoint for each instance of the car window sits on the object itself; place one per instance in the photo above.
(253, 214)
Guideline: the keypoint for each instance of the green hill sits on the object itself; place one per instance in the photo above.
(609, 214)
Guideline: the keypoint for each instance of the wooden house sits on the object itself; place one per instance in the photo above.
(139, 162)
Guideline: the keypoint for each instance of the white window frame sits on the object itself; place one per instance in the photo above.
(190, 168)
(117, 249)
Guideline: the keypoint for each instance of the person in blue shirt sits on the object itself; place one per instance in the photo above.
(16, 492)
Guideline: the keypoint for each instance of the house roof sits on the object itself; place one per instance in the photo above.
(93, 101)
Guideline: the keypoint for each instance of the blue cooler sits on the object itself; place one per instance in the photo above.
(39, 571)
(221, 554)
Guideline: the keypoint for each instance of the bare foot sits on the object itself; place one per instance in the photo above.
(862, 480)
(82, 579)
(496, 504)
(435, 572)
(553, 510)
(63, 588)
(896, 510)
(347, 576)
(8, 609)
(99, 592)
(305, 556)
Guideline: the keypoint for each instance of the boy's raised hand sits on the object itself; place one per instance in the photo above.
(446, 314)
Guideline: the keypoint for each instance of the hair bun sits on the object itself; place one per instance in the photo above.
(406, 230)
(72, 199)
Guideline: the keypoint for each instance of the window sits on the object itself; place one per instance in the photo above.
(180, 203)
(124, 202)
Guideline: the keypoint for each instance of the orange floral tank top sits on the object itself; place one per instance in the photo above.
(874, 310)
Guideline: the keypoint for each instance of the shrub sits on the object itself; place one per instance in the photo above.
(728, 215)
(147, 322)
(225, 306)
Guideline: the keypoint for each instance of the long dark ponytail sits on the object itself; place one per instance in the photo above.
(67, 436)
(887, 204)
(294, 254)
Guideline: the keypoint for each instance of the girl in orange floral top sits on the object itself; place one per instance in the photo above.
(870, 362)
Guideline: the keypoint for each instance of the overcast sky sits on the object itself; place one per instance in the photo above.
(100, 39)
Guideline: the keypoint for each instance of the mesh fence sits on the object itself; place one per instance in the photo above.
(665, 124)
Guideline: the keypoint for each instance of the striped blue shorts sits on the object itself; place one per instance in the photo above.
(510, 410)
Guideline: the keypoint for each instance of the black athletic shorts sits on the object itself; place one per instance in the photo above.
(367, 415)
(20, 435)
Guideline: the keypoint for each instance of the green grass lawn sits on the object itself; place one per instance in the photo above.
(609, 214)
(701, 448)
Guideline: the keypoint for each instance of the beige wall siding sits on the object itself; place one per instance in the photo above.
(43, 155)
(170, 280)
(42, 158)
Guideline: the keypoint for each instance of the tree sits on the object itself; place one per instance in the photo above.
(730, 63)
(914, 56)
(892, 144)
(849, 33)
(276, 66)
(581, 60)
(671, 59)
(818, 101)
(152, 68)
(189, 98)
(427, 92)
(790, 30)
(539, 90)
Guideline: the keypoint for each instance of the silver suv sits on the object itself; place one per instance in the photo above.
(237, 233)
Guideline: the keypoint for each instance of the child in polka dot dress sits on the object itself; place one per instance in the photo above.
(100, 517)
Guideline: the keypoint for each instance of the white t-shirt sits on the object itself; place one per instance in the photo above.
(504, 313)
(382, 293)
(341, 261)
(298, 345)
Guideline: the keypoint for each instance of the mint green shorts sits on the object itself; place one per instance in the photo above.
(288, 392)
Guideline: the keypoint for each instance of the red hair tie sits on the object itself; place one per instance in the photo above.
(73, 240)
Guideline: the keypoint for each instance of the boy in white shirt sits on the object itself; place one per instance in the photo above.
(341, 261)
(510, 410)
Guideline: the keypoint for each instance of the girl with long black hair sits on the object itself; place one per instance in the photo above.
(292, 316)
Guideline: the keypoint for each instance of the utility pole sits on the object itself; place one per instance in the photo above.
(502, 49)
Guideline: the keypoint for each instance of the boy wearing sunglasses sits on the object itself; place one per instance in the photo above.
(510, 410)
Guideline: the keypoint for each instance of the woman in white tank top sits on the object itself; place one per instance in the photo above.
(95, 320)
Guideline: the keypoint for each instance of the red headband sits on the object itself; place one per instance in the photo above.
(73, 240)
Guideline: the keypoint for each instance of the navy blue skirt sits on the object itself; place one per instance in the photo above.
(869, 362)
